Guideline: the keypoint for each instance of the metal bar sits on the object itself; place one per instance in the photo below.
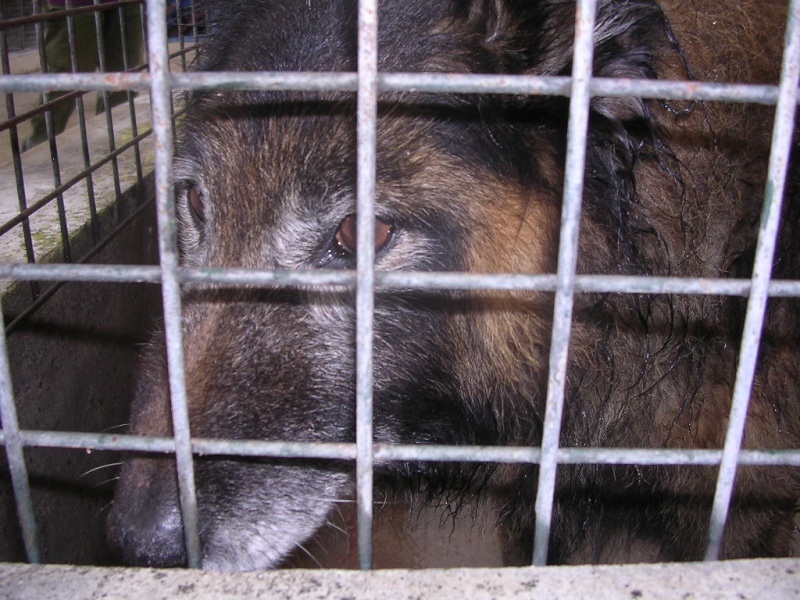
(143, 20)
(202, 447)
(606, 456)
(22, 201)
(567, 259)
(482, 84)
(181, 41)
(295, 81)
(87, 161)
(782, 136)
(397, 82)
(87, 82)
(560, 86)
(165, 210)
(395, 279)
(390, 452)
(51, 138)
(99, 24)
(195, 29)
(123, 27)
(367, 115)
(16, 459)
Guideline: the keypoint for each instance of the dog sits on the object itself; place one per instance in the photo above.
(473, 182)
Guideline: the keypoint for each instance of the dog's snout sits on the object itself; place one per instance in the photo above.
(144, 526)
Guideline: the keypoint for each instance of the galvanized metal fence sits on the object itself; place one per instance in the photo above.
(367, 83)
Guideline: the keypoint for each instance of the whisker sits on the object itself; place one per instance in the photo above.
(311, 556)
(113, 427)
(338, 500)
(106, 466)
(97, 485)
(332, 525)
(104, 508)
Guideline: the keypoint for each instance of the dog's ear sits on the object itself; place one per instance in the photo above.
(537, 38)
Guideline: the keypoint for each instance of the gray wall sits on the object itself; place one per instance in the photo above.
(72, 365)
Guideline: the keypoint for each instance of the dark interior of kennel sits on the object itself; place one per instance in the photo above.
(72, 363)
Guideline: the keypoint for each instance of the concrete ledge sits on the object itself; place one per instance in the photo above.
(762, 579)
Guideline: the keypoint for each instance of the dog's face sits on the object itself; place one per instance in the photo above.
(267, 180)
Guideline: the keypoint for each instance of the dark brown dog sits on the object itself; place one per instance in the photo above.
(473, 183)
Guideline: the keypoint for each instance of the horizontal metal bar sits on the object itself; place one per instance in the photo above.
(583, 283)
(77, 272)
(608, 456)
(87, 82)
(394, 279)
(274, 278)
(201, 447)
(289, 80)
(560, 86)
(392, 452)
(481, 84)
(397, 82)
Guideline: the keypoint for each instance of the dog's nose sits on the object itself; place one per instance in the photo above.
(144, 527)
(148, 536)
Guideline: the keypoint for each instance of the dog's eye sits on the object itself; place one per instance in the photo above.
(346, 235)
(196, 204)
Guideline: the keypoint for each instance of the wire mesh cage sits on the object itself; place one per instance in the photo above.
(140, 159)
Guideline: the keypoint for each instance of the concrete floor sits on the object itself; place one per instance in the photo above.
(757, 579)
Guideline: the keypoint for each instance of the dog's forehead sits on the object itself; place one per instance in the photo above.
(291, 145)
(303, 35)
(278, 146)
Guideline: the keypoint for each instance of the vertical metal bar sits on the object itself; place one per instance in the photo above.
(567, 259)
(15, 154)
(195, 32)
(181, 40)
(782, 135)
(143, 20)
(14, 452)
(123, 27)
(165, 209)
(366, 134)
(51, 136)
(87, 162)
(196, 29)
(99, 17)
(169, 64)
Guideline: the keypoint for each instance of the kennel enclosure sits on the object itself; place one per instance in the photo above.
(110, 232)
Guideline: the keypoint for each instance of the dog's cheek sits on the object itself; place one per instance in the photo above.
(256, 513)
